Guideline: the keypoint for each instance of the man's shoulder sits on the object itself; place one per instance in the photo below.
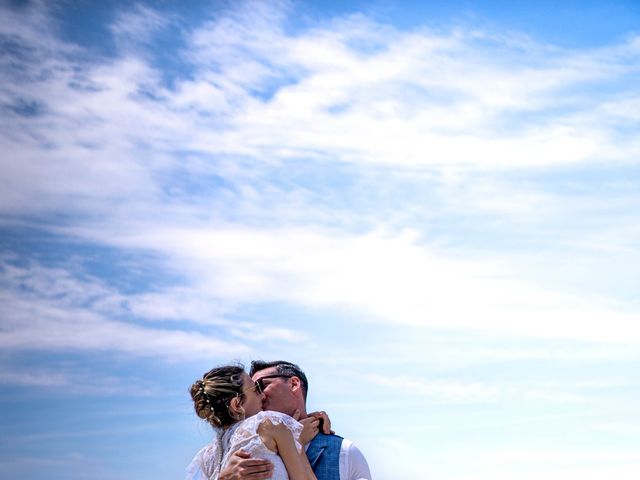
(353, 464)
(327, 439)
(322, 442)
(346, 445)
(350, 448)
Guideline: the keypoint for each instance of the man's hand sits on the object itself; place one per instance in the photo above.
(242, 467)
(325, 422)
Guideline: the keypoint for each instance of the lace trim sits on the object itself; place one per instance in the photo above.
(211, 459)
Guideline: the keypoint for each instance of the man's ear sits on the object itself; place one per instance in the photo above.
(296, 384)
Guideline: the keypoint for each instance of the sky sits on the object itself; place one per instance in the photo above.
(432, 207)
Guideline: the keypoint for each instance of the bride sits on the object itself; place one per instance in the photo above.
(231, 402)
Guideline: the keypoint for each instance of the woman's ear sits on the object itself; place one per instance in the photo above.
(235, 407)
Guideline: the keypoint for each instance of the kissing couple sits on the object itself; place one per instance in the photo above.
(263, 430)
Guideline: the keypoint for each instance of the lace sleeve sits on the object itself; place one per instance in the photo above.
(206, 463)
(293, 425)
(246, 435)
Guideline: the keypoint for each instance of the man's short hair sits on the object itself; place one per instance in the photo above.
(283, 368)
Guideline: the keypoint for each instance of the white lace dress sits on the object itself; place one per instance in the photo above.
(243, 435)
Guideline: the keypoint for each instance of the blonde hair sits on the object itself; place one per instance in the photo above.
(213, 394)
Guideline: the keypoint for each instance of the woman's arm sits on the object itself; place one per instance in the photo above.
(278, 438)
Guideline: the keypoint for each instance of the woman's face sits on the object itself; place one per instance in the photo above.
(251, 399)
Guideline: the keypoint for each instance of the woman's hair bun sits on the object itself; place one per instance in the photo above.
(212, 394)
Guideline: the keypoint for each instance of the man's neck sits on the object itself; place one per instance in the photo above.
(300, 409)
(292, 411)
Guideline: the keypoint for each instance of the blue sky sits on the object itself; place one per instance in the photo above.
(430, 206)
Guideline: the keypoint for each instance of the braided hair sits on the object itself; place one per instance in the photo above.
(212, 395)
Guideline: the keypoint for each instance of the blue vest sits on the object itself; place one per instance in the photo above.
(324, 456)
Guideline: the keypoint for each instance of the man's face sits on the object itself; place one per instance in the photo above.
(278, 395)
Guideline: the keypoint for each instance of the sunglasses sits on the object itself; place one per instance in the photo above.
(256, 386)
(260, 386)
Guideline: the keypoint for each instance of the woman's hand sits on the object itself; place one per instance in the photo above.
(325, 422)
(310, 428)
(272, 434)
(314, 423)
(278, 438)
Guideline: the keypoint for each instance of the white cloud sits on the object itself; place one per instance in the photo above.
(50, 309)
(505, 462)
(617, 428)
(60, 309)
(419, 99)
(423, 99)
(42, 379)
(401, 182)
(390, 278)
(38, 325)
(138, 23)
(73, 380)
(457, 391)
(102, 148)
(555, 459)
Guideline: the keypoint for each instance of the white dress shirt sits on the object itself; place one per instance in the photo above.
(353, 465)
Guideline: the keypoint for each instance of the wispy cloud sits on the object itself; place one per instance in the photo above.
(462, 99)
(392, 278)
(138, 23)
(110, 141)
(619, 428)
(48, 309)
(577, 458)
(459, 391)
(73, 380)
(452, 201)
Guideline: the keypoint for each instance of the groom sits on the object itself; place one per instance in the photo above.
(285, 389)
